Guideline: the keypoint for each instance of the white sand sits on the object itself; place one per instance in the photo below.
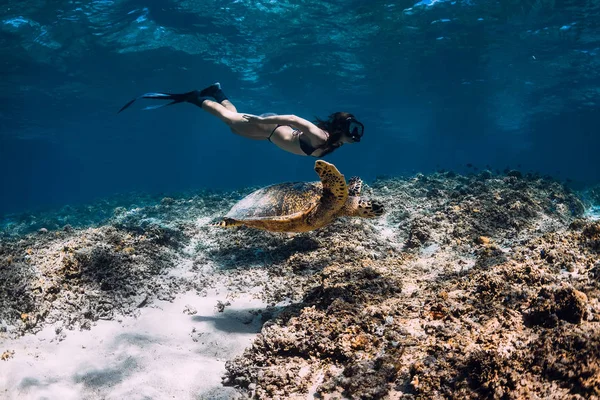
(153, 356)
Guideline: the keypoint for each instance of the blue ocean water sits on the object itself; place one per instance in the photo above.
(438, 85)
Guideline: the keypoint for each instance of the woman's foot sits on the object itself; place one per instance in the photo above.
(211, 90)
(195, 97)
(215, 92)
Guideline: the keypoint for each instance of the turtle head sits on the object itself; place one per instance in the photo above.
(364, 208)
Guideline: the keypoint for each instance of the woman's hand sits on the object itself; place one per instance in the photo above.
(252, 119)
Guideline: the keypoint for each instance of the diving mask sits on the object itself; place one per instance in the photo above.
(354, 129)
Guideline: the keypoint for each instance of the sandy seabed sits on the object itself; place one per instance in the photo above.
(480, 286)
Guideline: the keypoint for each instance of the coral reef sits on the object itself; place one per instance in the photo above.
(481, 286)
(470, 293)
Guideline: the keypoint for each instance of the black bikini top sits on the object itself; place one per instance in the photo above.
(308, 149)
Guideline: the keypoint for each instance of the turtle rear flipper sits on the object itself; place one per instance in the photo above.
(335, 190)
(369, 209)
(354, 186)
(228, 223)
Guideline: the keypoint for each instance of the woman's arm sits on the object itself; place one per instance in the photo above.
(312, 132)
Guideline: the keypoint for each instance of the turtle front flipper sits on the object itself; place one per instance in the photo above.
(228, 223)
(369, 208)
(334, 184)
(355, 186)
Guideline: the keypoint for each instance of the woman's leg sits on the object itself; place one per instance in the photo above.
(222, 112)
(229, 105)
(235, 121)
(222, 108)
(215, 91)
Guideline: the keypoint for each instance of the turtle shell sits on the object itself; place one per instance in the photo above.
(280, 200)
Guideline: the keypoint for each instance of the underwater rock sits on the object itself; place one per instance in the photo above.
(477, 309)
(419, 233)
(465, 288)
(515, 173)
(552, 304)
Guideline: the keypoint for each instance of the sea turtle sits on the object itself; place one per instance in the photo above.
(303, 206)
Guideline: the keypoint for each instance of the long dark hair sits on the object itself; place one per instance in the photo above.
(335, 126)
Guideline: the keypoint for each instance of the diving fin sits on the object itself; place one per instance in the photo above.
(190, 97)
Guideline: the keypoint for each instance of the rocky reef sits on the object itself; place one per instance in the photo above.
(479, 286)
